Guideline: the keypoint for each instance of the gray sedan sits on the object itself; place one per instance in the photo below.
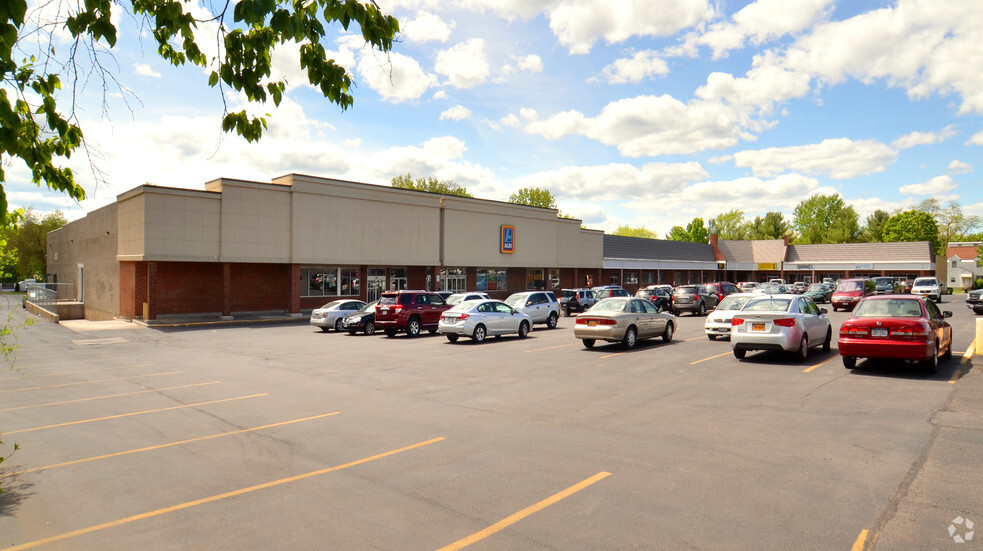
(790, 323)
(624, 320)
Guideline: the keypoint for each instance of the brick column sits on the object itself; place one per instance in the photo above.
(226, 290)
(295, 288)
(151, 312)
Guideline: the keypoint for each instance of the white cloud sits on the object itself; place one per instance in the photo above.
(395, 77)
(464, 65)
(923, 138)
(439, 95)
(614, 181)
(530, 115)
(649, 126)
(636, 68)
(456, 113)
(935, 186)
(510, 120)
(145, 70)
(837, 158)
(959, 167)
(426, 27)
(977, 139)
(531, 63)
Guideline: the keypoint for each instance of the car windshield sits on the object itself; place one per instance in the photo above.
(455, 299)
(686, 290)
(894, 308)
(370, 307)
(608, 305)
(850, 286)
(462, 306)
(517, 300)
(568, 293)
(332, 303)
(388, 299)
(817, 287)
(767, 305)
(923, 281)
(733, 303)
(884, 281)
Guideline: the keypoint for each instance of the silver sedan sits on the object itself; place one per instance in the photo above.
(482, 318)
(625, 320)
(791, 323)
(330, 315)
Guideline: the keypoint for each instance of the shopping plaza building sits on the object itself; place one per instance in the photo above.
(299, 241)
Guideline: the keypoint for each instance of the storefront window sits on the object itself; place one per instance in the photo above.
(535, 279)
(648, 278)
(492, 280)
(454, 279)
(631, 278)
(397, 279)
(328, 281)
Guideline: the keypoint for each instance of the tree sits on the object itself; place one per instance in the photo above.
(912, 225)
(825, 219)
(35, 129)
(731, 225)
(873, 230)
(640, 231)
(695, 232)
(27, 243)
(534, 197)
(952, 223)
(772, 226)
(431, 184)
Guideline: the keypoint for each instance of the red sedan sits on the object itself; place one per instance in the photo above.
(896, 327)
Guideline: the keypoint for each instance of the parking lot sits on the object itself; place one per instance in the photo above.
(279, 436)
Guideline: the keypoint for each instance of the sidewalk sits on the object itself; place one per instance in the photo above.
(940, 503)
(191, 320)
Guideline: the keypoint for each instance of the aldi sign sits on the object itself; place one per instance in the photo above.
(507, 240)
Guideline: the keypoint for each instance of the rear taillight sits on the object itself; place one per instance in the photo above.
(596, 321)
(463, 317)
(912, 331)
(737, 321)
(784, 322)
(851, 331)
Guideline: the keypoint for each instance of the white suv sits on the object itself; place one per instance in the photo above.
(541, 306)
(927, 287)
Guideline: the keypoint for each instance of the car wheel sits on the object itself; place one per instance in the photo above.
(551, 321)
(452, 338)
(829, 339)
(667, 334)
(588, 343)
(711, 337)
(324, 329)
(523, 330)
(479, 334)
(432, 331)
(675, 313)
(413, 327)
(702, 311)
(849, 362)
(568, 312)
(739, 353)
(337, 325)
(932, 364)
(370, 328)
(631, 338)
(390, 332)
(803, 352)
(948, 352)
(352, 331)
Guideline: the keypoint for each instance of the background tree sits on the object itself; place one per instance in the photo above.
(534, 197)
(952, 223)
(27, 243)
(640, 231)
(873, 230)
(695, 232)
(772, 226)
(731, 225)
(912, 225)
(431, 184)
(40, 132)
(825, 219)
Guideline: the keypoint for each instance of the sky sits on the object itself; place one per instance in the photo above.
(638, 112)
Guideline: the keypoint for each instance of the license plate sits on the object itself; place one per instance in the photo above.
(591, 323)
(757, 327)
(878, 332)
(385, 311)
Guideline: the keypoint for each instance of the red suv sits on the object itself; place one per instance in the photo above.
(410, 311)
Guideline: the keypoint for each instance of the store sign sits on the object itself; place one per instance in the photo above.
(805, 266)
(864, 267)
(508, 239)
(767, 266)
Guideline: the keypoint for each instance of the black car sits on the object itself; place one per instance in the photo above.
(657, 296)
(363, 320)
(975, 301)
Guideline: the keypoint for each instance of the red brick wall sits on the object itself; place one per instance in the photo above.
(132, 288)
(188, 287)
(257, 287)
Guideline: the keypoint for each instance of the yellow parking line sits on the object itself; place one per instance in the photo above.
(171, 509)
(551, 348)
(612, 355)
(695, 338)
(512, 519)
(711, 357)
(134, 413)
(858, 545)
(819, 364)
(108, 396)
(160, 446)
(967, 357)
(89, 382)
(72, 372)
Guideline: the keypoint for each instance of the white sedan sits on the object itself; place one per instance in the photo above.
(791, 323)
(718, 321)
(478, 319)
(330, 315)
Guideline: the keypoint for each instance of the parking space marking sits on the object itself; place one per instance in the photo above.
(169, 444)
(858, 545)
(695, 338)
(963, 363)
(516, 517)
(711, 357)
(819, 364)
(89, 382)
(72, 372)
(203, 501)
(612, 355)
(551, 348)
(108, 396)
(134, 413)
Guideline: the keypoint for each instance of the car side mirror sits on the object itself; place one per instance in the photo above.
(823, 311)
(947, 314)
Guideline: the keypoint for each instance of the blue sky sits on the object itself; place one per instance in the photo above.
(634, 112)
